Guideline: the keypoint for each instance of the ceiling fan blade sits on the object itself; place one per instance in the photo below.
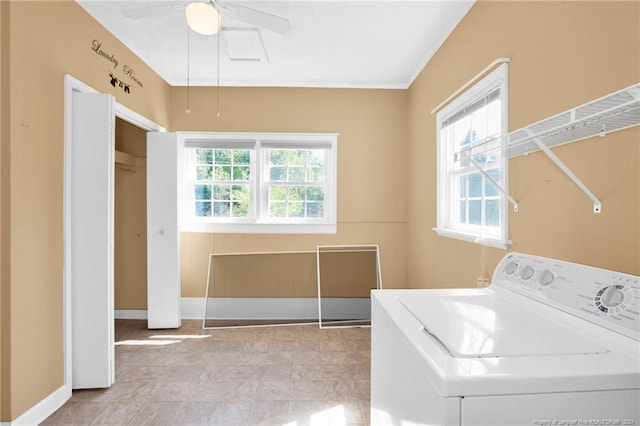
(152, 10)
(257, 18)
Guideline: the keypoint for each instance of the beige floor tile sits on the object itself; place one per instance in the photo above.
(252, 376)
(118, 413)
(279, 358)
(76, 413)
(310, 412)
(119, 391)
(273, 391)
(350, 410)
(276, 372)
(232, 413)
(306, 390)
(175, 413)
(270, 413)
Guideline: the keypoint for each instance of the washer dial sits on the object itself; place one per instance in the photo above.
(611, 299)
(527, 272)
(511, 268)
(546, 277)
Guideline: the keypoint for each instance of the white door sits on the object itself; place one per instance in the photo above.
(163, 237)
(92, 188)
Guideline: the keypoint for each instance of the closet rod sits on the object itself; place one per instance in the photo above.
(470, 82)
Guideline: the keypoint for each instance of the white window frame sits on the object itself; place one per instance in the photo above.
(446, 226)
(258, 221)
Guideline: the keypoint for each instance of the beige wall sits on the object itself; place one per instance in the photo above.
(5, 397)
(130, 220)
(372, 163)
(47, 40)
(563, 54)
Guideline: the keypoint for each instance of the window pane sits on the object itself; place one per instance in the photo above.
(315, 174)
(296, 209)
(241, 156)
(240, 192)
(203, 209)
(489, 188)
(278, 157)
(202, 192)
(296, 193)
(278, 209)
(223, 156)
(475, 185)
(316, 157)
(221, 209)
(204, 156)
(315, 193)
(221, 192)
(204, 173)
(493, 212)
(241, 173)
(277, 193)
(278, 174)
(296, 174)
(463, 211)
(240, 209)
(223, 172)
(296, 157)
(315, 210)
(461, 184)
(475, 212)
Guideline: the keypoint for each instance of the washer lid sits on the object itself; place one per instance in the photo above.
(483, 326)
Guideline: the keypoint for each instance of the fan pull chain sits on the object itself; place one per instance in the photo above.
(218, 68)
(188, 110)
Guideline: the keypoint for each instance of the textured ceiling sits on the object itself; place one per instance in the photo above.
(363, 44)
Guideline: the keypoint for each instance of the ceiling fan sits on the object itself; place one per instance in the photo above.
(204, 16)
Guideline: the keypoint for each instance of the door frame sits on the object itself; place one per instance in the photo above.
(71, 84)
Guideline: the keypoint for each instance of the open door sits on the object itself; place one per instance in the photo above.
(92, 189)
(163, 236)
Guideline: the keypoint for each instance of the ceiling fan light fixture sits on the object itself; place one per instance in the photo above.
(202, 18)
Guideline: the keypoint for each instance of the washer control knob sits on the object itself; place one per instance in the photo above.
(612, 297)
(546, 278)
(511, 268)
(527, 272)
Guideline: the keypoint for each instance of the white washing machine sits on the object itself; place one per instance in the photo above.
(547, 343)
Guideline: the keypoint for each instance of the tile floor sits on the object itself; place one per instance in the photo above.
(287, 375)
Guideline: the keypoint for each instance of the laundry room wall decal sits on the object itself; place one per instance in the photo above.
(96, 46)
(129, 77)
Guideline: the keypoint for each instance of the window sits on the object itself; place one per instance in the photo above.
(294, 183)
(471, 167)
(259, 183)
(222, 182)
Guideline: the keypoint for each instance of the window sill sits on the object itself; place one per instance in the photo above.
(490, 242)
(261, 228)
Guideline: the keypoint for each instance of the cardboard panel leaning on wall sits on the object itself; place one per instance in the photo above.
(563, 54)
(372, 159)
(48, 40)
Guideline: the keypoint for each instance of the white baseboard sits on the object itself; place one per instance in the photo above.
(192, 308)
(43, 409)
(284, 308)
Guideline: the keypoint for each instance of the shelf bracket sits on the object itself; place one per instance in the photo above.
(492, 180)
(597, 205)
